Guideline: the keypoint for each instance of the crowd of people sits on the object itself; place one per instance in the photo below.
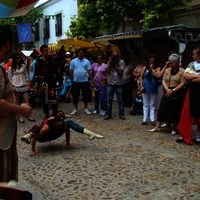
(169, 94)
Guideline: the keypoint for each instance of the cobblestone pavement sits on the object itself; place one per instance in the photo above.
(130, 163)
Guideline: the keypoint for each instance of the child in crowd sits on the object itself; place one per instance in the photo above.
(103, 97)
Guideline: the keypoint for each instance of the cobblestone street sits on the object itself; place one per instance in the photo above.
(130, 163)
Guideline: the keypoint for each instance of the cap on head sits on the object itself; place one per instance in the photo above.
(67, 53)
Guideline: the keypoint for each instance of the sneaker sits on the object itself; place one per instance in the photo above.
(173, 132)
(180, 140)
(92, 135)
(26, 138)
(144, 123)
(73, 112)
(12, 183)
(197, 141)
(95, 112)
(164, 125)
(31, 119)
(103, 113)
(87, 112)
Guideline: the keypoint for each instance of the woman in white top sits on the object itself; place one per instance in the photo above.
(19, 78)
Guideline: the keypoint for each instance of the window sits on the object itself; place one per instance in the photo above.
(36, 32)
(58, 25)
(46, 28)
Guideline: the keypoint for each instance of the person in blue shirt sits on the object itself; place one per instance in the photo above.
(80, 72)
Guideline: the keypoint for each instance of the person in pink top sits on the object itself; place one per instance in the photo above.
(98, 75)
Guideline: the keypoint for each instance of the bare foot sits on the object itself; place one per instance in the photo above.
(154, 129)
(69, 147)
(33, 154)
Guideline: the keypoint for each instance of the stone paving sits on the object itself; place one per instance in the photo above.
(130, 163)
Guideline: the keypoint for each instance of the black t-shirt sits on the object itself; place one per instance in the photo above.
(44, 67)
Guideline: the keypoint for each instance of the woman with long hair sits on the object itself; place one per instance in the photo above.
(149, 90)
(19, 78)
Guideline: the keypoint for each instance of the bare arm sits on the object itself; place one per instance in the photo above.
(67, 136)
(71, 73)
(33, 144)
(44, 130)
(141, 78)
(137, 71)
(10, 108)
(90, 74)
(161, 71)
(196, 80)
(192, 77)
(168, 91)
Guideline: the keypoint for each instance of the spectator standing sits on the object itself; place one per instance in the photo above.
(19, 77)
(98, 75)
(34, 55)
(67, 65)
(80, 71)
(137, 93)
(128, 83)
(191, 109)
(149, 90)
(8, 111)
(115, 70)
(103, 97)
(172, 99)
(45, 73)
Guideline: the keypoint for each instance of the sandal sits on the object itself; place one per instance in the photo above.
(31, 119)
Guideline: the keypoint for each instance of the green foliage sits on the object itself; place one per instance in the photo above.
(33, 16)
(97, 16)
(156, 9)
(86, 23)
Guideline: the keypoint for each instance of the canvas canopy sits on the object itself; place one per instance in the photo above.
(74, 44)
(15, 8)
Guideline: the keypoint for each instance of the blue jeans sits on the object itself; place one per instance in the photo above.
(111, 90)
(73, 125)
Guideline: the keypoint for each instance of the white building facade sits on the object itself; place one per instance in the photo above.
(56, 20)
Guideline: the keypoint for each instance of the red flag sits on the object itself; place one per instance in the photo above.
(185, 124)
(23, 3)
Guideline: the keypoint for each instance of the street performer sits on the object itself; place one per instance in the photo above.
(52, 128)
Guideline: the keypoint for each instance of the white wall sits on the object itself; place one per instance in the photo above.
(68, 8)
